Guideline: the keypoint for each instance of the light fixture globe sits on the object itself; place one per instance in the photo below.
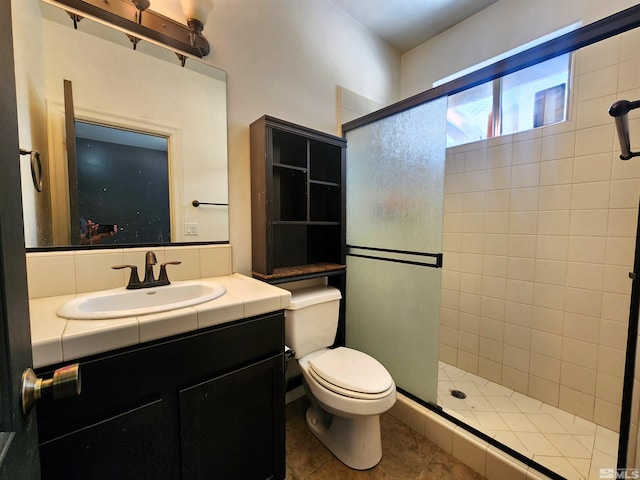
(197, 9)
(196, 12)
(141, 5)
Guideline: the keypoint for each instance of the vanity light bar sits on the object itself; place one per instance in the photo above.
(147, 25)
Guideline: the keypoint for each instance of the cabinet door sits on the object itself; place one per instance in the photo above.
(232, 426)
(134, 445)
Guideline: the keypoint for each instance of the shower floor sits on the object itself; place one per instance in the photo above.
(569, 445)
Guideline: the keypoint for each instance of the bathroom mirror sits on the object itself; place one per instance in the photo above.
(144, 90)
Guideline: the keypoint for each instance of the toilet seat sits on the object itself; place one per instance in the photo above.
(351, 373)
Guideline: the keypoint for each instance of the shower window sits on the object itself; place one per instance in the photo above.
(529, 98)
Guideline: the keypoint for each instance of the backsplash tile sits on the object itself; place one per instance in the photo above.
(69, 272)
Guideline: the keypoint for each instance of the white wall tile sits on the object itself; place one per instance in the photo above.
(498, 178)
(592, 195)
(494, 265)
(515, 357)
(522, 246)
(620, 251)
(520, 291)
(94, 272)
(587, 249)
(546, 343)
(45, 266)
(590, 141)
(553, 272)
(625, 193)
(471, 283)
(558, 146)
(523, 199)
(544, 390)
(598, 83)
(521, 268)
(470, 450)
(555, 197)
(473, 202)
(592, 168)
(589, 222)
(494, 287)
(578, 378)
(527, 175)
(547, 319)
(552, 247)
(527, 151)
(499, 155)
(616, 279)
(549, 296)
(545, 367)
(579, 352)
(581, 327)
(495, 244)
(585, 275)
(583, 301)
(629, 75)
(517, 335)
(474, 222)
(518, 313)
(554, 222)
(474, 181)
(576, 402)
(611, 360)
(615, 306)
(556, 172)
(622, 222)
(594, 112)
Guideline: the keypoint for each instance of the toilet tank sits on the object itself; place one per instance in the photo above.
(311, 319)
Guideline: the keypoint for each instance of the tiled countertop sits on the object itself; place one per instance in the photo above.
(55, 339)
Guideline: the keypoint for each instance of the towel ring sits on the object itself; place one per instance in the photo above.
(36, 167)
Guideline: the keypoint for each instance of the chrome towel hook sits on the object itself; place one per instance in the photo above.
(36, 167)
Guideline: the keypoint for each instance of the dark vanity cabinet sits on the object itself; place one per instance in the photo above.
(297, 200)
(203, 405)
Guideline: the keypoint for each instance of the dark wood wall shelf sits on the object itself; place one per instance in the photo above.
(297, 201)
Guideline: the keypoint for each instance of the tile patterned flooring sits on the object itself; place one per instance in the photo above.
(405, 454)
(571, 446)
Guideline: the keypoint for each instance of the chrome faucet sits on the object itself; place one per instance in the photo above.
(149, 280)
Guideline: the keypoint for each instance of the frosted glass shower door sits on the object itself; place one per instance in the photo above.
(395, 187)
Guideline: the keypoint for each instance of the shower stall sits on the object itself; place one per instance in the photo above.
(529, 315)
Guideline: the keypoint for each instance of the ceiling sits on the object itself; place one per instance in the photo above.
(406, 24)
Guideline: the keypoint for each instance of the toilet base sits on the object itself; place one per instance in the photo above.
(355, 441)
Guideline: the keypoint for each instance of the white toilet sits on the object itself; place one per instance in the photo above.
(348, 389)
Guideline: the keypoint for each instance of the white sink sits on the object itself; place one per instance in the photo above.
(120, 302)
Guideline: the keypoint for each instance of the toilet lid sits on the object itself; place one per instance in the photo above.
(351, 373)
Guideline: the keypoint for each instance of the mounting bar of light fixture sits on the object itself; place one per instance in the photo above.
(138, 24)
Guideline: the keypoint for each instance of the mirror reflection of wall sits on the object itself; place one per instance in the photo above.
(145, 90)
(122, 186)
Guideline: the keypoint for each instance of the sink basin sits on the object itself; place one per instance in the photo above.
(120, 302)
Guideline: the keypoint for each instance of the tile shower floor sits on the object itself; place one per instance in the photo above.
(571, 446)
(406, 455)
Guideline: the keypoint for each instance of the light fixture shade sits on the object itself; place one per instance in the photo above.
(197, 9)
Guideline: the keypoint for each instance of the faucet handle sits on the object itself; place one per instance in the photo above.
(134, 280)
(163, 279)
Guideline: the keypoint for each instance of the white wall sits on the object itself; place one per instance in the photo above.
(498, 28)
(286, 59)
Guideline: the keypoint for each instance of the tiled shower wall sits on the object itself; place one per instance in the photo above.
(539, 235)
